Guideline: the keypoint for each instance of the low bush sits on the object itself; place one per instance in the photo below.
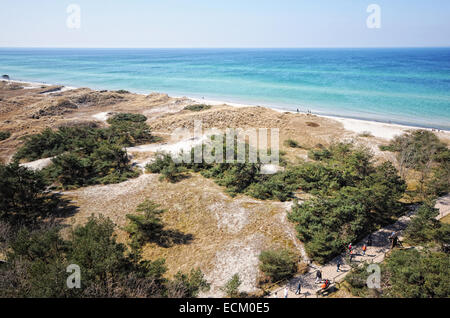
(4, 135)
(197, 107)
(24, 197)
(278, 264)
(231, 288)
(292, 143)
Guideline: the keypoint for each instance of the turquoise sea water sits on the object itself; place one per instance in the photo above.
(406, 86)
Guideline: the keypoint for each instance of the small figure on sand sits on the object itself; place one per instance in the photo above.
(364, 248)
(299, 288)
(338, 266)
(393, 238)
(318, 276)
(286, 292)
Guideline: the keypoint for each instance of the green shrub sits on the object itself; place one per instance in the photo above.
(4, 135)
(37, 260)
(197, 107)
(424, 228)
(292, 143)
(231, 288)
(106, 163)
(415, 274)
(278, 264)
(191, 284)
(127, 117)
(168, 169)
(24, 197)
(147, 226)
(122, 91)
(365, 134)
(357, 280)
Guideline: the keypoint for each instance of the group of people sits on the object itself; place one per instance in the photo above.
(351, 251)
(325, 283)
(307, 111)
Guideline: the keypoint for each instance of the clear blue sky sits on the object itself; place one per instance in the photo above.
(224, 23)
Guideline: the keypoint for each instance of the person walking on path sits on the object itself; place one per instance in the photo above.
(351, 255)
(369, 240)
(286, 292)
(338, 266)
(318, 276)
(326, 284)
(299, 288)
(364, 248)
(350, 247)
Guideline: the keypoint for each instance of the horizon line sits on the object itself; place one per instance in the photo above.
(230, 47)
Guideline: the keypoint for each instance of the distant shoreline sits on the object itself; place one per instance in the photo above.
(376, 128)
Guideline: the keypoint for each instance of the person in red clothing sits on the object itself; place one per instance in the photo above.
(326, 284)
(364, 248)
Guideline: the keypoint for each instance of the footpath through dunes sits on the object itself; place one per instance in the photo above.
(375, 253)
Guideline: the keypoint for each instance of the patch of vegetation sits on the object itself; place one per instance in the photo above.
(365, 134)
(188, 285)
(291, 143)
(105, 164)
(352, 198)
(122, 91)
(126, 117)
(88, 154)
(312, 124)
(237, 177)
(37, 260)
(197, 107)
(278, 265)
(147, 227)
(24, 197)
(4, 135)
(422, 151)
(406, 274)
(231, 288)
(425, 229)
(168, 169)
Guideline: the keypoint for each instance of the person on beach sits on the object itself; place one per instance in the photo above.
(318, 276)
(286, 292)
(364, 248)
(299, 288)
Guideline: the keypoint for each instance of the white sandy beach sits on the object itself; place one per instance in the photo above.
(358, 126)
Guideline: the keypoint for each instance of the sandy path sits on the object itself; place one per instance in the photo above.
(374, 254)
(38, 164)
